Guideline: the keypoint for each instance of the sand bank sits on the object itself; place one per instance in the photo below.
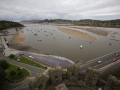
(77, 33)
(19, 38)
(94, 30)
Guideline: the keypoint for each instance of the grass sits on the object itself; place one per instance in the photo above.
(25, 73)
(29, 62)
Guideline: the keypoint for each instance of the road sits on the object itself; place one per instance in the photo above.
(105, 61)
(33, 70)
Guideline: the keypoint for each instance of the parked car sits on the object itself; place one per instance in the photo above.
(31, 57)
(116, 55)
(99, 61)
(114, 59)
(18, 60)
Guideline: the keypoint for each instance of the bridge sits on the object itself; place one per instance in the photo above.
(106, 67)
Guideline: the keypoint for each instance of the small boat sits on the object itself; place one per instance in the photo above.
(81, 46)
(110, 44)
(46, 35)
(54, 37)
(35, 34)
(69, 37)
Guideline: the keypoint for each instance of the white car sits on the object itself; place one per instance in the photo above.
(99, 61)
(18, 60)
(31, 57)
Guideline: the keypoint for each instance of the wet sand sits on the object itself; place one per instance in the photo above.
(77, 33)
(94, 30)
(19, 38)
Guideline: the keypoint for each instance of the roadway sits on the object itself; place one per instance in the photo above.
(33, 70)
(105, 61)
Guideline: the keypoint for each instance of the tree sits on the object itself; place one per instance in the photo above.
(11, 56)
(20, 73)
(4, 64)
(12, 73)
(2, 76)
(18, 69)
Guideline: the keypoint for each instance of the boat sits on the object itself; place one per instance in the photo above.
(81, 46)
(35, 34)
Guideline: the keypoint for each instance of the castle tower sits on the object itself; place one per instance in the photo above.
(55, 75)
(72, 72)
(112, 83)
(91, 78)
(39, 83)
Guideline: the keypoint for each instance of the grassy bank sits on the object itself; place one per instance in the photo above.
(28, 61)
(17, 76)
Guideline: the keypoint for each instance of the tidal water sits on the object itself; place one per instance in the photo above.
(55, 42)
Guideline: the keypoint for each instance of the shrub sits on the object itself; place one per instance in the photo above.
(20, 73)
(18, 69)
(11, 56)
(12, 73)
(4, 64)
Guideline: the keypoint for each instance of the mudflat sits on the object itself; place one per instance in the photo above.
(77, 33)
(19, 38)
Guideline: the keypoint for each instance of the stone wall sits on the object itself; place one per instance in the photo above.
(73, 77)
(39, 83)
(112, 83)
(55, 75)
(91, 78)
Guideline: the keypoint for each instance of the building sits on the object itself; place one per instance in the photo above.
(62, 79)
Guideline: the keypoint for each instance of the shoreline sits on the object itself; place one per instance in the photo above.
(19, 38)
(77, 33)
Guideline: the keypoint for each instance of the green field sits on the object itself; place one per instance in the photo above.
(24, 74)
(28, 61)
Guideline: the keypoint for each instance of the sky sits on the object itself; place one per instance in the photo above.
(59, 9)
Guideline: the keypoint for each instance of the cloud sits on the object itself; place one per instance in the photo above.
(59, 9)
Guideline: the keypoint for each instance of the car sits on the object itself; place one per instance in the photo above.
(116, 55)
(31, 57)
(114, 59)
(18, 60)
(99, 61)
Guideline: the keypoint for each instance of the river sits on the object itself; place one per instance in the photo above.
(53, 41)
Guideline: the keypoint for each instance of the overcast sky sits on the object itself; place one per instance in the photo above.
(59, 9)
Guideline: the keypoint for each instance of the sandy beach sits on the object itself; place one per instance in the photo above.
(19, 38)
(77, 33)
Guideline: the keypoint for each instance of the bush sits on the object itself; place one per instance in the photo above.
(20, 73)
(4, 64)
(11, 56)
(12, 73)
(18, 69)
(2, 76)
